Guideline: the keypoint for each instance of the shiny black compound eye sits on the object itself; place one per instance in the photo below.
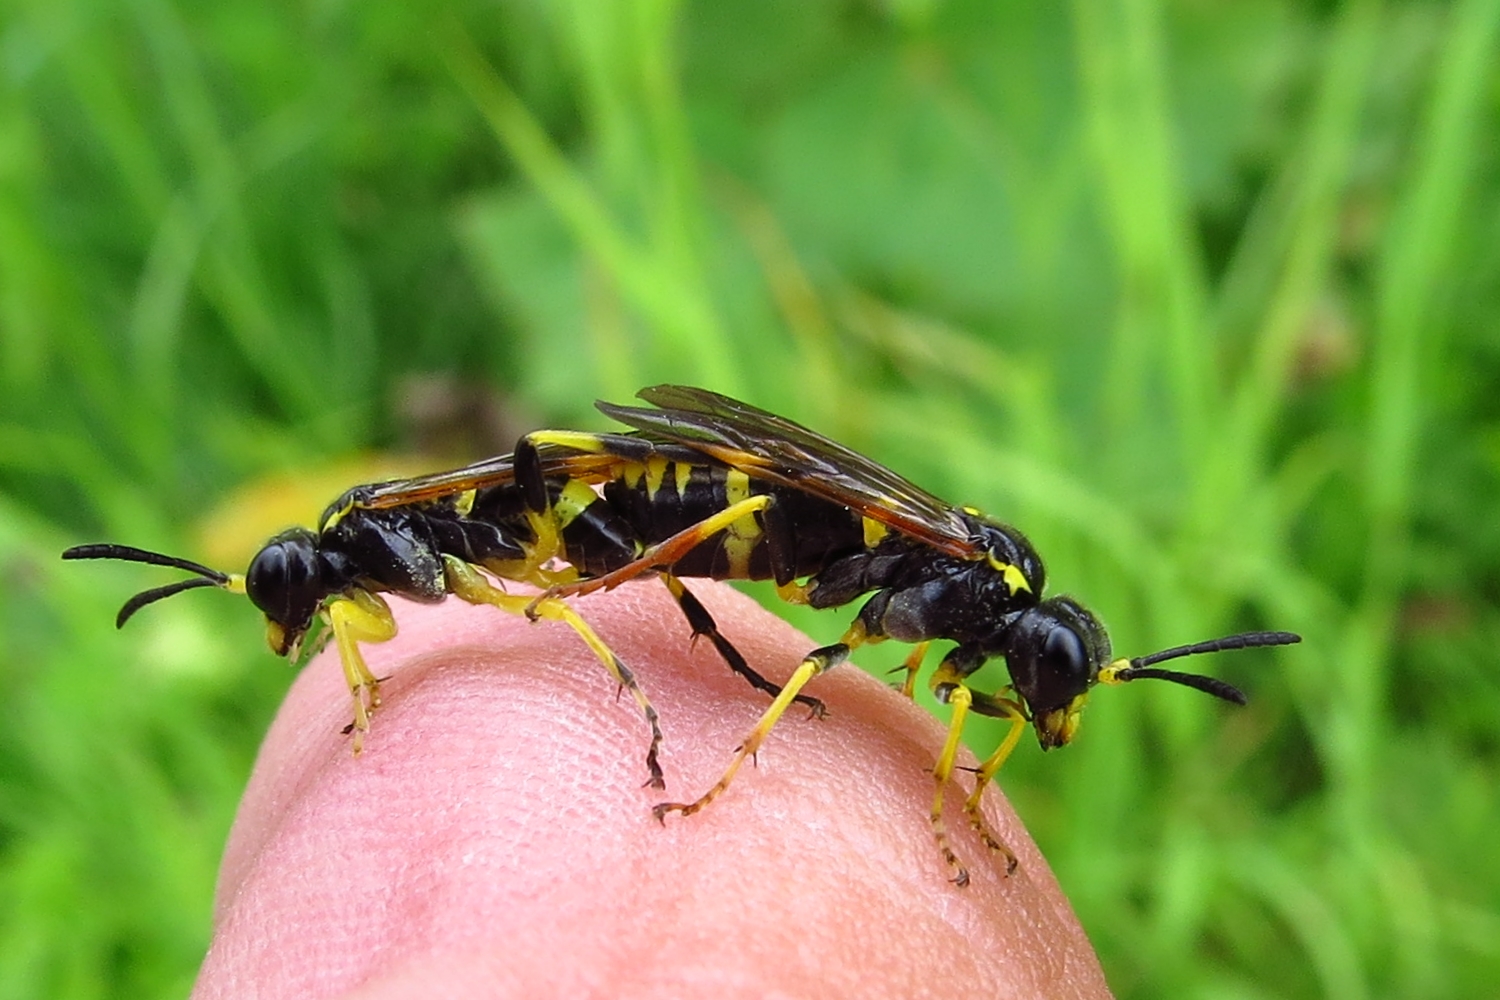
(1054, 652)
(1060, 671)
(1065, 658)
(284, 580)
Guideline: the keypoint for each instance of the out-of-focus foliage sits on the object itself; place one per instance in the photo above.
(1202, 295)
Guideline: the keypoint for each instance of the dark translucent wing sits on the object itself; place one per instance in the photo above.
(397, 492)
(496, 471)
(764, 445)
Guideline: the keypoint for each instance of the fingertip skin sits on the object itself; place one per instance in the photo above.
(494, 838)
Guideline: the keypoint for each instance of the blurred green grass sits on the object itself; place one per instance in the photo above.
(1202, 296)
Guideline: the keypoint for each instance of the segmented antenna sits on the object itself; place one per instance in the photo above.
(127, 553)
(1141, 667)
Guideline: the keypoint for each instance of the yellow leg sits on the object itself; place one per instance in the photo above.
(960, 699)
(811, 666)
(360, 616)
(792, 592)
(532, 573)
(668, 551)
(912, 665)
(473, 586)
(986, 773)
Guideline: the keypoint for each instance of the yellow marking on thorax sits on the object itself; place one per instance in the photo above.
(656, 473)
(741, 536)
(335, 517)
(464, 502)
(874, 532)
(1012, 575)
(575, 498)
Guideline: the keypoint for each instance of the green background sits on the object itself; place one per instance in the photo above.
(1201, 295)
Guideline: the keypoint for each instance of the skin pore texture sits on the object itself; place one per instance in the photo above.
(494, 838)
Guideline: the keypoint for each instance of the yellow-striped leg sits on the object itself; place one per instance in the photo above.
(473, 586)
(356, 617)
(960, 699)
(1011, 710)
(811, 666)
(912, 665)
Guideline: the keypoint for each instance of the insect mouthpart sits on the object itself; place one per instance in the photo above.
(1057, 727)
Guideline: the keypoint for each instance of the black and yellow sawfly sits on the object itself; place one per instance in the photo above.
(703, 486)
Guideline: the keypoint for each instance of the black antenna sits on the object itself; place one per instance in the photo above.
(1141, 667)
(127, 553)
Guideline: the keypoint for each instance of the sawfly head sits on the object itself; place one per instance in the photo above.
(1057, 651)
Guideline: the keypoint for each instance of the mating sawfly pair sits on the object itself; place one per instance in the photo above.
(702, 486)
